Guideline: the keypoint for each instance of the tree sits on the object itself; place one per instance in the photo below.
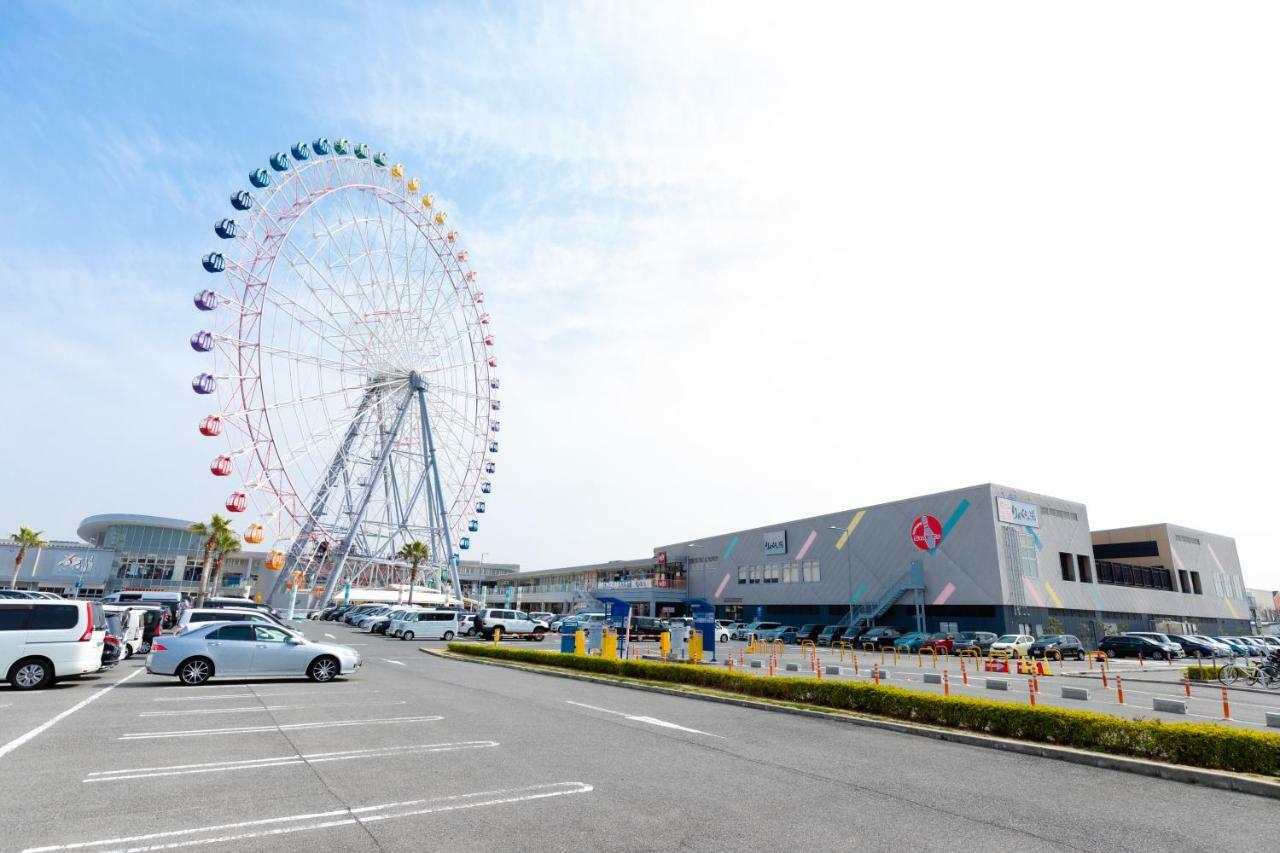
(217, 525)
(228, 543)
(415, 552)
(25, 538)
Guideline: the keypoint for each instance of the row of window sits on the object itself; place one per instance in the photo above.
(808, 571)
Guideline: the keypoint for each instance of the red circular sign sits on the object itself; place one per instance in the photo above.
(926, 532)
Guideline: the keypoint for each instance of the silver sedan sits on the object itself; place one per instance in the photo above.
(239, 649)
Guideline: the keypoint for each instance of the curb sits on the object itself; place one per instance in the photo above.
(1178, 683)
(1220, 779)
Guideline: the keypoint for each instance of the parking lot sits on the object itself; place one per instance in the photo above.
(413, 751)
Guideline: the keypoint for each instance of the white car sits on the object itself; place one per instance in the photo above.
(432, 625)
(724, 630)
(514, 623)
(234, 649)
(132, 621)
(195, 616)
(42, 639)
(398, 619)
(1015, 644)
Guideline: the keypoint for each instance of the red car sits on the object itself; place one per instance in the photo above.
(941, 640)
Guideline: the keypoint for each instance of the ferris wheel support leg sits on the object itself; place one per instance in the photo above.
(441, 520)
(321, 500)
(340, 559)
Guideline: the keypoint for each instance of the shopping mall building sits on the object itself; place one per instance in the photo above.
(987, 557)
(120, 551)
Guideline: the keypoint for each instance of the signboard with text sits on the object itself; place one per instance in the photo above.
(775, 543)
(1017, 512)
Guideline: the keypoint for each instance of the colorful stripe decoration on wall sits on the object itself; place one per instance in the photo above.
(1052, 594)
(808, 543)
(945, 594)
(857, 593)
(1033, 592)
(733, 543)
(951, 522)
(723, 583)
(848, 531)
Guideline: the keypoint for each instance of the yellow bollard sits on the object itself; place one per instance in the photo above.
(609, 646)
(579, 642)
(497, 635)
(695, 647)
(664, 644)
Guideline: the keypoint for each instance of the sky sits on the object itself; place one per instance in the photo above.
(746, 263)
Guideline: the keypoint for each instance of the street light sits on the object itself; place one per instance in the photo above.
(849, 555)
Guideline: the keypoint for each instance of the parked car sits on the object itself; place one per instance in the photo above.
(241, 604)
(431, 625)
(396, 619)
(112, 648)
(194, 616)
(1270, 644)
(724, 630)
(1134, 645)
(130, 625)
(1015, 644)
(362, 621)
(941, 641)
(577, 621)
(979, 641)
(646, 627)
(1168, 648)
(1255, 648)
(355, 613)
(42, 640)
(830, 635)
(741, 631)
(514, 623)
(542, 616)
(239, 649)
(1194, 645)
(881, 637)
(807, 633)
(467, 627)
(911, 642)
(758, 630)
(1053, 645)
(168, 600)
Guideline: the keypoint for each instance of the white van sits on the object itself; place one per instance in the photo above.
(431, 625)
(193, 617)
(132, 622)
(41, 640)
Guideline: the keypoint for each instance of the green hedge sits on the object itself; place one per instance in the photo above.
(1195, 744)
(1203, 673)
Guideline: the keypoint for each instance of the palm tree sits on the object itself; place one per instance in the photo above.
(415, 552)
(216, 526)
(228, 543)
(25, 538)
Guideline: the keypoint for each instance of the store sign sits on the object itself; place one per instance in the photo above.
(662, 558)
(926, 532)
(1017, 512)
(775, 543)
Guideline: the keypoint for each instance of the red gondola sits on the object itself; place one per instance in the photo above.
(221, 466)
(470, 276)
(237, 501)
(211, 425)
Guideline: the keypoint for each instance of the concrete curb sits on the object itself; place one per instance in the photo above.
(1140, 766)
(1166, 683)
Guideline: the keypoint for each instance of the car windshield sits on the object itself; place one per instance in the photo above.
(1008, 638)
(1050, 638)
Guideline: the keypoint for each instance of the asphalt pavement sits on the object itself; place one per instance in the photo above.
(416, 752)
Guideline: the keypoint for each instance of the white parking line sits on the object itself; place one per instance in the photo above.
(300, 691)
(396, 662)
(259, 708)
(653, 721)
(50, 723)
(280, 761)
(331, 637)
(279, 728)
(325, 820)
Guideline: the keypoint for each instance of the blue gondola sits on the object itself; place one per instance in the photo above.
(495, 406)
(342, 146)
(202, 341)
(380, 158)
(490, 467)
(464, 543)
(493, 383)
(206, 300)
(300, 151)
(493, 447)
(280, 161)
(226, 228)
(321, 146)
(473, 525)
(204, 384)
(362, 151)
(260, 178)
(242, 200)
(214, 262)
(479, 504)
(494, 426)
(486, 487)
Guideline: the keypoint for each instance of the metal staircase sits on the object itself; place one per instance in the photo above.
(912, 581)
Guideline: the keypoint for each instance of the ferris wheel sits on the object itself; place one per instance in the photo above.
(353, 366)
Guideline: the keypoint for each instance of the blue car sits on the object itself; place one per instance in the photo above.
(911, 642)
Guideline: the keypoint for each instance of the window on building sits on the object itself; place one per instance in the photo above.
(1195, 583)
(755, 573)
(1184, 581)
(790, 573)
(811, 571)
(1068, 564)
(743, 571)
(771, 573)
(1086, 576)
(1126, 550)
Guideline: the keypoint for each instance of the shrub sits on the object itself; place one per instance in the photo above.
(1203, 673)
(1195, 744)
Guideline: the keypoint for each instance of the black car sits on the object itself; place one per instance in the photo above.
(977, 641)
(1196, 647)
(809, 633)
(643, 627)
(881, 638)
(830, 635)
(1052, 645)
(1129, 646)
(112, 650)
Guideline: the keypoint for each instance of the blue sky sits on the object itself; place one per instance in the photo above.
(745, 264)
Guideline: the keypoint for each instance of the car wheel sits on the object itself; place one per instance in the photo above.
(724, 638)
(407, 635)
(146, 648)
(195, 671)
(471, 632)
(30, 674)
(538, 634)
(448, 635)
(322, 669)
(128, 651)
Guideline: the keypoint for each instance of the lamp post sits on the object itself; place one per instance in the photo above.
(849, 556)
